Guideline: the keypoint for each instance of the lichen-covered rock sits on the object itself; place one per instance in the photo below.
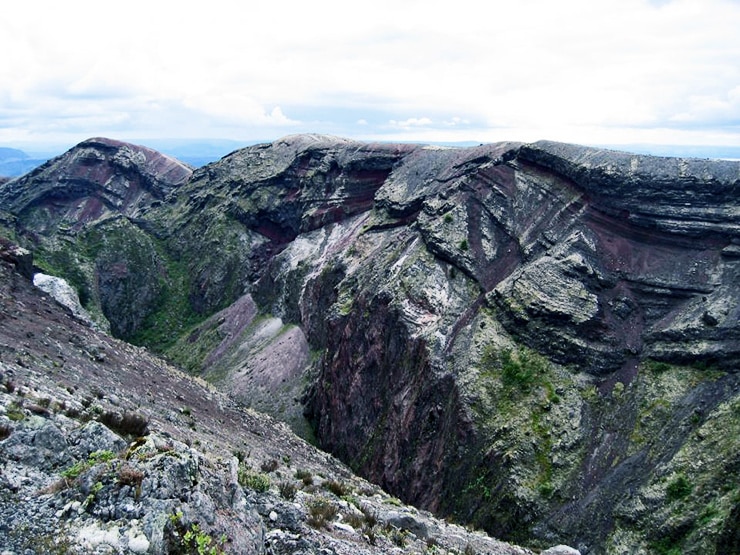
(516, 335)
(20, 258)
(129, 455)
(64, 293)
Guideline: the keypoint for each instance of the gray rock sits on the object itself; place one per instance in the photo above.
(418, 525)
(561, 550)
(93, 437)
(20, 258)
(63, 293)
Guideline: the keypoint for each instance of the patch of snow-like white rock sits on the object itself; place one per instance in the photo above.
(63, 293)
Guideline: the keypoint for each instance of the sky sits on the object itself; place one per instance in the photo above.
(582, 71)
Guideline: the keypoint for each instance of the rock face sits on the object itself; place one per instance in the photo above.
(20, 258)
(106, 449)
(541, 340)
(86, 211)
(64, 294)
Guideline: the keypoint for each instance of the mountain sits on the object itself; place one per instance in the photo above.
(14, 162)
(540, 340)
(107, 449)
(12, 154)
(684, 151)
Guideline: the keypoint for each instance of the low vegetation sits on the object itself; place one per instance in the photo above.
(257, 481)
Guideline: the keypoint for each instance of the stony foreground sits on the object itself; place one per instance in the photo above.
(106, 449)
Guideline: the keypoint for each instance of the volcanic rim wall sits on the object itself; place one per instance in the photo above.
(607, 263)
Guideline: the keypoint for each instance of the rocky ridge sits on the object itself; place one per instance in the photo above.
(105, 448)
(538, 339)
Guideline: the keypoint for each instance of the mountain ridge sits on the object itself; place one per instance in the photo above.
(107, 448)
(484, 331)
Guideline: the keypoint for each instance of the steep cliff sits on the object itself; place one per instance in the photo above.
(541, 340)
(84, 214)
(104, 448)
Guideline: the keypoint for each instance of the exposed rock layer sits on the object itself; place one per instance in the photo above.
(106, 449)
(538, 339)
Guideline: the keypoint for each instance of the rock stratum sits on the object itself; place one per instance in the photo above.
(105, 448)
(540, 340)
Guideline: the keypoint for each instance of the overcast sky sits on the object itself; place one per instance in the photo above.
(584, 71)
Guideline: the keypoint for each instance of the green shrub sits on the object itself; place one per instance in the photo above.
(340, 489)
(74, 471)
(101, 457)
(355, 521)
(546, 489)
(321, 512)
(201, 542)
(371, 517)
(656, 367)
(678, 488)
(256, 481)
(269, 466)
(398, 536)
(15, 412)
(97, 457)
(191, 540)
(287, 490)
(520, 369)
(305, 476)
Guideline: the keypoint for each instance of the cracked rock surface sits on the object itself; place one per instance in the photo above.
(540, 340)
(104, 448)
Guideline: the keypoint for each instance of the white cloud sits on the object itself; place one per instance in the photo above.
(717, 109)
(456, 121)
(411, 122)
(572, 70)
(234, 108)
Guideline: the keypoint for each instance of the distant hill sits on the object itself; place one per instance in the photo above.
(682, 151)
(11, 154)
(14, 162)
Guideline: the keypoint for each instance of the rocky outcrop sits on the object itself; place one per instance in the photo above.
(677, 195)
(255, 201)
(537, 339)
(20, 258)
(105, 448)
(83, 213)
(97, 179)
(64, 294)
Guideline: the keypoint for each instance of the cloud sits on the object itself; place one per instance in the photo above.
(234, 108)
(411, 122)
(456, 121)
(717, 109)
(572, 70)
